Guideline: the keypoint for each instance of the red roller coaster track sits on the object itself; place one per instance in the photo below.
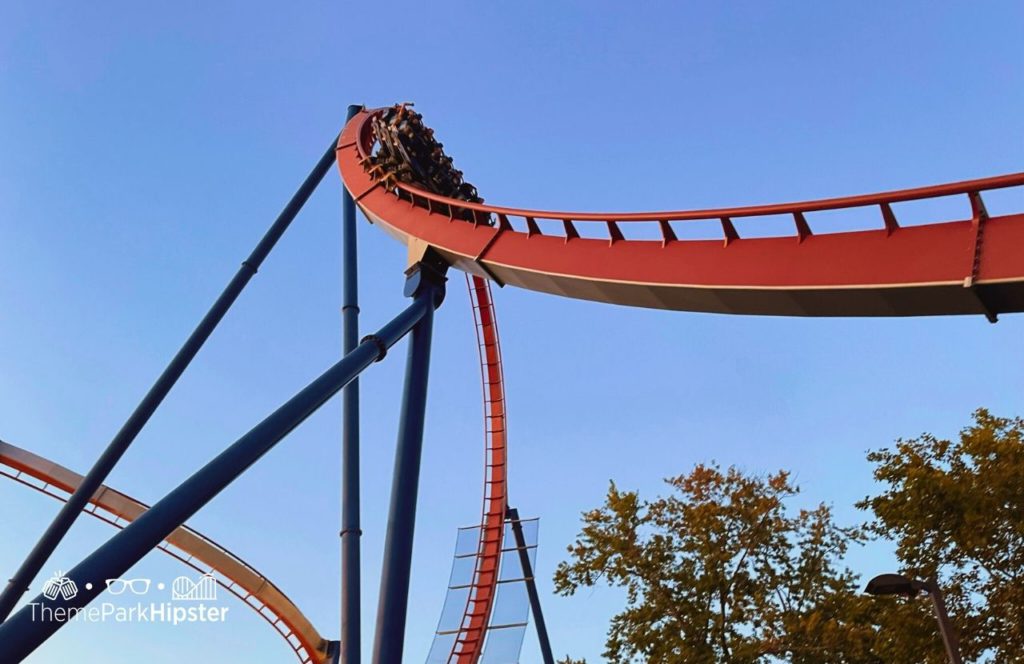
(968, 266)
(188, 546)
(469, 641)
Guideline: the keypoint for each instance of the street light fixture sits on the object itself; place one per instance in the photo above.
(896, 584)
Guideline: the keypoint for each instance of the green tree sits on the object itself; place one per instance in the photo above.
(720, 570)
(955, 510)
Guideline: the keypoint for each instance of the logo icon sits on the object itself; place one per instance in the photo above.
(202, 589)
(59, 585)
(137, 586)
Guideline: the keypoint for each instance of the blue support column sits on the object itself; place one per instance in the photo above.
(351, 594)
(393, 603)
(27, 629)
(57, 529)
(512, 514)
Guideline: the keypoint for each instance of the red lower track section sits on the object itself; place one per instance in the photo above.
(470, 640)
(968, 265)
(188, 546)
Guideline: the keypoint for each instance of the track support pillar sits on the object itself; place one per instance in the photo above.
(351, 584)
(425, 278)
(512, 514)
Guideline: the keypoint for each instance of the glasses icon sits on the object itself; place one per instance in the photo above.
(137, 586)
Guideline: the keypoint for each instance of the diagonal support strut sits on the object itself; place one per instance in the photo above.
(62, 523)
(22, 633)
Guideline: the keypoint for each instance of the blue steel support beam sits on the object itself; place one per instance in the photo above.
(512, 514)
(58, 528)
(392, 607)
(350, 528)
(25, 631)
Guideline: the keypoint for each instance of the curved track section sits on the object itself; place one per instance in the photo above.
(469, 642)
(185, 544)
(967, 266)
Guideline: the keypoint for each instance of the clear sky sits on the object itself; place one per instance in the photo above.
(144, 148)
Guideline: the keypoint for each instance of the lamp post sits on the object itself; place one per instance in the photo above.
(895, 584)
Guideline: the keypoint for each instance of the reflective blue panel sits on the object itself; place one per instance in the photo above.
(511, 605)
(530, 532)
(451, 612)
(511, 610)
(462, 571)
(503, 645)
(441, 648)
(512, 565)
(467, 541)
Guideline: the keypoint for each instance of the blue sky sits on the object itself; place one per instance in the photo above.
(145, 149)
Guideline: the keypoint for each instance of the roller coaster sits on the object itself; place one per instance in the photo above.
(397, 174)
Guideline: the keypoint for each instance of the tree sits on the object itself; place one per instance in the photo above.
(720, 571)
(955, 510)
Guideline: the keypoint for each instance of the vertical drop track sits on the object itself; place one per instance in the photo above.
(469, 642)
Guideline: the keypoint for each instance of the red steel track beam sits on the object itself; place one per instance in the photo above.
(817, 205)
(469, 642)
(361, 128)
(948, 267)
(184, 544)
